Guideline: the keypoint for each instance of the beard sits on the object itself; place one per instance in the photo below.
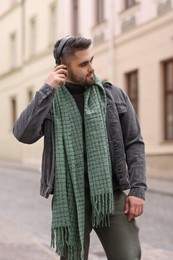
(84, 81)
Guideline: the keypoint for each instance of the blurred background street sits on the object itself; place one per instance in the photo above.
(25, 219)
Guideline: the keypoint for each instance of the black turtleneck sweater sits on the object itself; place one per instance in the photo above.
(77, 91)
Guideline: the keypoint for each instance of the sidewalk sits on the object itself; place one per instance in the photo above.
(18, 244)
(154, 185)
(161, 186)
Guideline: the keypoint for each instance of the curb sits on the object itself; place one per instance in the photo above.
(155, 185)
(21, 166)
(160, 186)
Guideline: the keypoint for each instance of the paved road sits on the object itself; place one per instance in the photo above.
(22, 210)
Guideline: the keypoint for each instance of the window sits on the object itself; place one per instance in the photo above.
(168, 98)
(33, 36)
(75, 17)
(13, 110)
(129, 3)
(13, 2)
(132, 88)
(53, 24)
(30, 95)
(99, 11)
(13, 50)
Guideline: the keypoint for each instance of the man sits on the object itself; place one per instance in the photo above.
(93, 151)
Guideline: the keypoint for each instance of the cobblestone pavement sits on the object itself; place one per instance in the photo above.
(18, 244)
(25, 236)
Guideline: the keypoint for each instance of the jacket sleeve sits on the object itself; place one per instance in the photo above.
(29, 126)
(134, 150)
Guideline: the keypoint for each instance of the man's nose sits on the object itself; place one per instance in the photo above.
(90, 67)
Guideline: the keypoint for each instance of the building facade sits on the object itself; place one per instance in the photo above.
(133, 48)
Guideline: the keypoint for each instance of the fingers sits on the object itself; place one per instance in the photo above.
(60, 74)
(133, 213)
(61, 69)
(134, 208)
(57, 76)
(126, 210)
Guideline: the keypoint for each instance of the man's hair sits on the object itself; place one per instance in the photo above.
(75, 43)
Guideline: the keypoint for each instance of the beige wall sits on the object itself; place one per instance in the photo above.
(144, 50)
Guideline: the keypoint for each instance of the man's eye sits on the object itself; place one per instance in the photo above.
(83, 64)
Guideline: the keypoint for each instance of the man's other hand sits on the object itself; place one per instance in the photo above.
(133, 207)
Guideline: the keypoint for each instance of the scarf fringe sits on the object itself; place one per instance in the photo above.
(59, 241)
(75, 253)
(59, 237)
(103, 207)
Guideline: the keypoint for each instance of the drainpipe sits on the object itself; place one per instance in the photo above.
(111, 51)
(23, 30)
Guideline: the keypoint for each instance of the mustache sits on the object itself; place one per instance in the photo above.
(91, 72)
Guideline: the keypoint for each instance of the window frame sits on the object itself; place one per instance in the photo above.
(75, 17)
(166, 94)
(53, 23)
(99, 11)
(30, 95)
(13, 103)
(127, 5)
(134, 100)
(13, 50)
(33, 35)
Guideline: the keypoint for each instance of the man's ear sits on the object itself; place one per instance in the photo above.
(65, 61)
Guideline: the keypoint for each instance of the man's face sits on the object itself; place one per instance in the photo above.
(80, 70)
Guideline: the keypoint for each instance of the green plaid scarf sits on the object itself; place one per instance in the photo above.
(68, 211)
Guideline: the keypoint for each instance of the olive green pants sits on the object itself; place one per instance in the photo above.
(120, 241)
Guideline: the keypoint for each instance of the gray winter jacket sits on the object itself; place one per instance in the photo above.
(125, 141)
